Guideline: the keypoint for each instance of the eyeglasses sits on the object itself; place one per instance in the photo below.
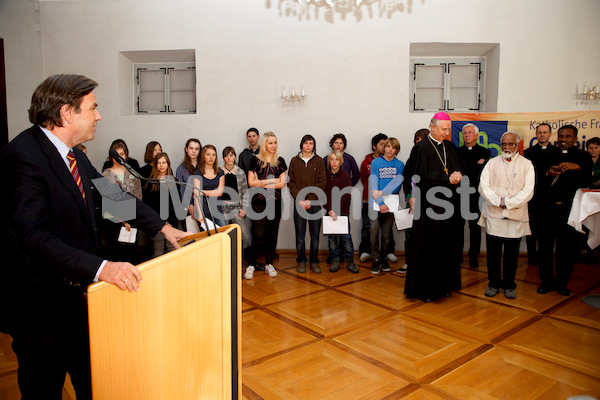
(508, 145)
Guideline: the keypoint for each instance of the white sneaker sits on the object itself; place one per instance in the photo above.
(249, 272)
(392, 257)
(270, 270)
(364, 257)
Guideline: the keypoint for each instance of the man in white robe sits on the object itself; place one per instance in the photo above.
(506, 184)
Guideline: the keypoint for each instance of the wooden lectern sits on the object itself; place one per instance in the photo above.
(179, 337)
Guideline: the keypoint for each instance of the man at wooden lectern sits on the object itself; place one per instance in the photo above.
(48, 232)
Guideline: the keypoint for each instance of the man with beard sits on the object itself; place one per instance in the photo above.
(506, 184)
(570, 170)
(436, 167)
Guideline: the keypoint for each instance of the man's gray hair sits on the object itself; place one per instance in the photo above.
(473, 125)
(512, 133)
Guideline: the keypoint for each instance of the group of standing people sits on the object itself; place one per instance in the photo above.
(309, 175)
(525, 196)
(49, 227)
(531, 196)
(201, 181)
(502, 193)
(510, 197)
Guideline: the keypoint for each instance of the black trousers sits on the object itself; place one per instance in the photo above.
(537, 214)
(474, 239)
(502, 268)
(474, 231)
(365, 234)
(382, 225)
(264, 234)
(45, 356)
(554, 228)
(314, 230)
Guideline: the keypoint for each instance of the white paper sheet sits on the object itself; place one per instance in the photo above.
(211, 225)
(392, 201)
(339, 227)
(127, 236)
(403, 218)
(191, 225)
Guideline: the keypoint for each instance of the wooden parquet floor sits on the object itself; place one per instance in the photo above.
(345, 336)
(355, 336)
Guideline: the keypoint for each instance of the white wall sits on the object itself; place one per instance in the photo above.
(24, 64)
(355, 73)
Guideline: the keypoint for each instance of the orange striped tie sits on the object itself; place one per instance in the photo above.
(75, 172)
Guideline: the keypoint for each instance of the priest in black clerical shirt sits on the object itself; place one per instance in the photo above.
(474, 157)
(569, 170)
(541, 155)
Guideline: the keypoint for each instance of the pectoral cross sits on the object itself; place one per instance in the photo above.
(446, 170)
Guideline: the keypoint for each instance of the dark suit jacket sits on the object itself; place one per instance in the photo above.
(48, 234)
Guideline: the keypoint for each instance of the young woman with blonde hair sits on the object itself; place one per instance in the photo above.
(267, 171)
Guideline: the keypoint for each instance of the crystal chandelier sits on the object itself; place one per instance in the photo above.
(307, 9)
(590, 95)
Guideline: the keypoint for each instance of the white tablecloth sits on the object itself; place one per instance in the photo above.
(586, 212)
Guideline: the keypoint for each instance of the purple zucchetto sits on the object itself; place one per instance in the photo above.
(442, 116)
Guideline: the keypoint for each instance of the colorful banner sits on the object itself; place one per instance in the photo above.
(493, 125)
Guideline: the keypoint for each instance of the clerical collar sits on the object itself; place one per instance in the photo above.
(470, 147)
(544, 147)
(565, 151)
(436, 141)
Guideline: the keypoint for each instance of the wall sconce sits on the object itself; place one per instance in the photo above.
(590, 95)
(294, 98)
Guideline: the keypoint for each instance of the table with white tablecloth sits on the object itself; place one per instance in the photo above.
(585, 211)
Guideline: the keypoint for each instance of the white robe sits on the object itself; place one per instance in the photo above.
(514, 181)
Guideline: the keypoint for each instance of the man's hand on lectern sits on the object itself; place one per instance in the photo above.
(173, 234)
(122, 274)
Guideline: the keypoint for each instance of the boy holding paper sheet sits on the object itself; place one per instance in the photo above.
(338, 204)
(385, 182)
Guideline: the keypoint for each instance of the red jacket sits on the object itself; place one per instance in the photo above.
(365, 171)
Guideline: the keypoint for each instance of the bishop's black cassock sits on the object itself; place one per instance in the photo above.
(433, 268)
